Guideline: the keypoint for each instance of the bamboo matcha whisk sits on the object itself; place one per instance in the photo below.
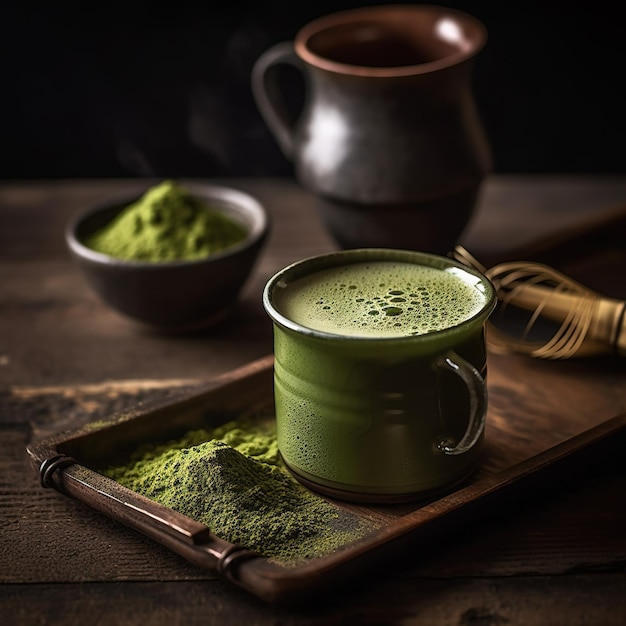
(588, 323)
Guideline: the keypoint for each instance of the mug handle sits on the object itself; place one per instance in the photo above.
(269, 97)
(477, 389)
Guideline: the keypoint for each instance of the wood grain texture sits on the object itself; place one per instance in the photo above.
(556, 556)
(463, 602)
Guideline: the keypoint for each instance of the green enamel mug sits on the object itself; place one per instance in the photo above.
(380, 371)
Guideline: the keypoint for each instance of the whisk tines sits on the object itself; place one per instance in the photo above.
(587, 322)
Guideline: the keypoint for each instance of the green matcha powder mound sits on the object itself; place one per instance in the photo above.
(232, 480)
(168, 223)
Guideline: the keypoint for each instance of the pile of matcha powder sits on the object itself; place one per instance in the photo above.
(168, 223)
(232, 480)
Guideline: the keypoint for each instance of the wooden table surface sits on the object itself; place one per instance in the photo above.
(558, 557)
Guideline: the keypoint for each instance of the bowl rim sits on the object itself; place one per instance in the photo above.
(228, 199)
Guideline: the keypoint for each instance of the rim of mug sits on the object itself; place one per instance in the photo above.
(334, 259)
(341, 18)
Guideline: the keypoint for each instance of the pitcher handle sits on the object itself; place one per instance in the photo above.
(270, 98)
(477, 389)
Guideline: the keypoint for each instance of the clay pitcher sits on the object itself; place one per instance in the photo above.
(388, 137)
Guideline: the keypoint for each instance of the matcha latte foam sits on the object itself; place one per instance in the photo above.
(382, 299)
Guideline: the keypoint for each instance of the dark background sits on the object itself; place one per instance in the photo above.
(162, 89)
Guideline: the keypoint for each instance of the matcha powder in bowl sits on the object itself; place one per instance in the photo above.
(168, 223)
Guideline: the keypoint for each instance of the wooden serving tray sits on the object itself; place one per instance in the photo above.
(544, 419)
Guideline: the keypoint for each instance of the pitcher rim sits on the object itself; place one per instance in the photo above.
(325, 22)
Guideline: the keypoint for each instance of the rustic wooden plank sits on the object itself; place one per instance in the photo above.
(522, 564)
(577, 599)
(63, 407)
(517, 210)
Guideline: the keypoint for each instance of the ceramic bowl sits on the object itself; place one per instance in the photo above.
(174, 295)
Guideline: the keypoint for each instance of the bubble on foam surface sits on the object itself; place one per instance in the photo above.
(382, 299)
